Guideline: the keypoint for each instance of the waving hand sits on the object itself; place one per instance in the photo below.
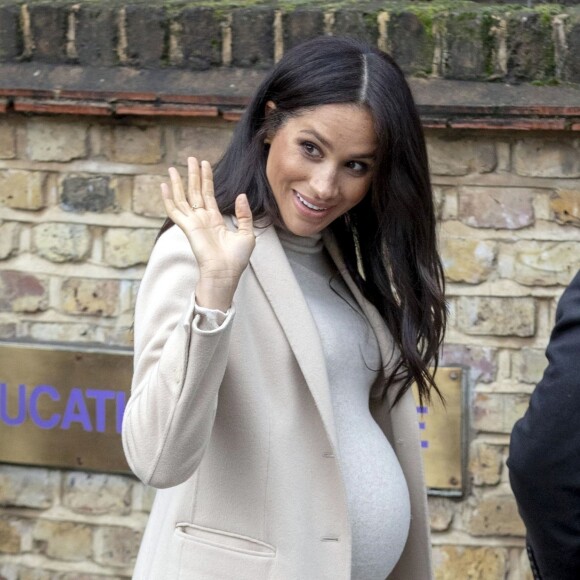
(222, 255)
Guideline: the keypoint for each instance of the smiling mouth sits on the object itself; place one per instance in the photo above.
(308, 204)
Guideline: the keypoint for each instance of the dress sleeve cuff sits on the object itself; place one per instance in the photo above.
(208, 320)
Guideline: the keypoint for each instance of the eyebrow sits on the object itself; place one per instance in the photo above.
(327, 144)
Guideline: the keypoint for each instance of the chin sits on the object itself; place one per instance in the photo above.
(305, 230)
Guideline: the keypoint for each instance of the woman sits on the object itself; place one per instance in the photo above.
(277, 333)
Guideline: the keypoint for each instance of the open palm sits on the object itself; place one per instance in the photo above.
(221, 254)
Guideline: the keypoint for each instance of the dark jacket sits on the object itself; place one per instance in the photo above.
(544, 459)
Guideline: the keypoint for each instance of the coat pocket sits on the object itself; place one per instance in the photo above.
(208, 554)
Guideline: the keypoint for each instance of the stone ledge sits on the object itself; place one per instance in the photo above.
(119, 91)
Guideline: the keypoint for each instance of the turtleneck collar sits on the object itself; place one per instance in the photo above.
(300, 244)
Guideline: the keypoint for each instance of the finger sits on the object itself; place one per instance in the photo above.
(207, 186)
(168, 201)
(177, 193)
(194, 196)
(244, 215)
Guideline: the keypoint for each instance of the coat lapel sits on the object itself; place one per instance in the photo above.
(277, 279)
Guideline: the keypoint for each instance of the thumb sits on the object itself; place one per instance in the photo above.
(244, 215)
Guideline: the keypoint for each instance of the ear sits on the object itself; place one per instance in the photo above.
(268, 110)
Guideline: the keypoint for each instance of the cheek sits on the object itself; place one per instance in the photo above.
(281, 167)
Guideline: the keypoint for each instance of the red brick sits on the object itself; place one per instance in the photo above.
(22, 292)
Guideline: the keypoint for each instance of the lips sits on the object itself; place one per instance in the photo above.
(309, 205)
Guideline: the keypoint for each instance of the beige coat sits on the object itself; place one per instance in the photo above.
(236, 426)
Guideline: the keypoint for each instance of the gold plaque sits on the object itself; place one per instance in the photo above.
(442, 434)
(63, 408)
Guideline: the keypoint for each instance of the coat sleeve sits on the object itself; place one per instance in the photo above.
(178, 369)
(544, 459)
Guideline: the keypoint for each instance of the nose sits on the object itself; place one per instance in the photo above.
(324, 182)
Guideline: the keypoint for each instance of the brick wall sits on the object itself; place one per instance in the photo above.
(80, 208)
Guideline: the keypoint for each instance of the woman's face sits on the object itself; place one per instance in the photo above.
(321, 164)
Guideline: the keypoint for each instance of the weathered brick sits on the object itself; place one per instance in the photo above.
(496, 207)
(439, 200)
(9, 234)
(11, 44)
(136, 144)
(205, 143)
(89, 296)
(22, 292)
(530, 46)
(22, 189)
(147, 30)
(7, 138)
(485, 464)
(454, 562)
(497, 316)
(411, 42)
(441, 512)
(10, 537)
(524, 570)
(497, 412)
(7, 330)
(529, 364)
(253, 37)
(467, 260)
(55, 140)
(36, 574)
(119, 335)
(28, 487)
(117, 546)
(128, 247)
(88, 193)
(454, 156)
(63, 332)
(547, 157)
(495, 515)
(96, 35)
(481, 362)
(571, 72)
(48, 26)
(147, 198)
(565, 206)
(302, 24)
(61, 242)
(134, 292)
(356, 23)
(200, 40)
(143, 497)
(543, 263)
(467, 51)
(63, 540)
(94, 493)
(87, 576)
(9, 571)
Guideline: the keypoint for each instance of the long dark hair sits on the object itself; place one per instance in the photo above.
(392, 231)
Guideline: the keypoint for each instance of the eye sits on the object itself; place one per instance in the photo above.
(310, 149)
(358, 167)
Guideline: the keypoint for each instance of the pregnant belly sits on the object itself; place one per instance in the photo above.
(378, 499)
